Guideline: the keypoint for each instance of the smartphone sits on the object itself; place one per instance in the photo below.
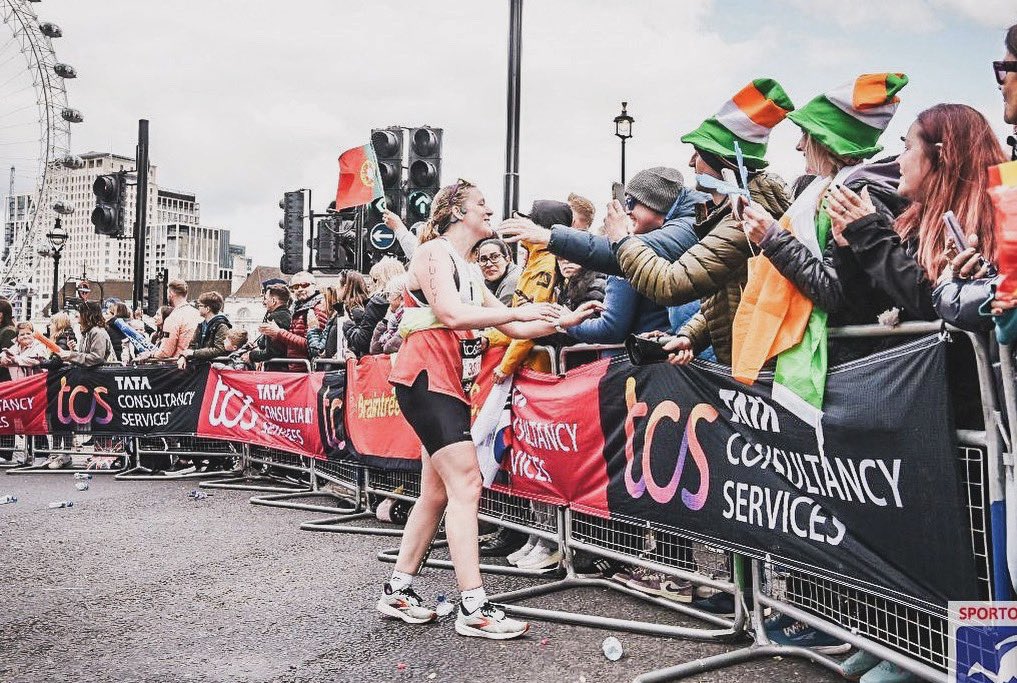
(618, 192)
(959, 240)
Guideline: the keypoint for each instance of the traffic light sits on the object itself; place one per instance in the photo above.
(424, 178)
(334, 244)
(110, 204)
(292, 224)
(152, 297)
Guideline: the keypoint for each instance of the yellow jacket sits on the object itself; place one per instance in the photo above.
(536, 285)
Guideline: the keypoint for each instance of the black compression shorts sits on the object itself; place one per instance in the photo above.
(438, 419)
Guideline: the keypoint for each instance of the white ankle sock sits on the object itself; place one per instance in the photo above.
(473, 599)
(400, 580)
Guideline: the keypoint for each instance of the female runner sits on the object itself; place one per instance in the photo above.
(445, 301)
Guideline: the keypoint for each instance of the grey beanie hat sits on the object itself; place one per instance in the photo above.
(656, 188)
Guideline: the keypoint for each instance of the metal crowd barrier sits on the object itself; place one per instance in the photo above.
(903, 630)
(223, 457)
(566, 351)
(93, 453)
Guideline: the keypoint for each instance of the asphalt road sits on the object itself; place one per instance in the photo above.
(137, 582)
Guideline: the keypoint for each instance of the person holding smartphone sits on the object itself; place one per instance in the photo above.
(445, 302)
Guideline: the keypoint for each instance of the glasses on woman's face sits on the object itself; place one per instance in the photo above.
(490, 259)
(1000, 69)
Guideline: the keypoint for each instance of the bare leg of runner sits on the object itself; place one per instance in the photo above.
(424, 517)
(457, 466)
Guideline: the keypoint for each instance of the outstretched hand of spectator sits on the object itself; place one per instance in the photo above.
(756, 221)
(515, 230)
(393, 221)
(584, 311)
(271, 329)
(499, 376)
(617, 224)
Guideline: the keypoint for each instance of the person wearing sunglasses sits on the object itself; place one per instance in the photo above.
(445, 302)
(500, 274)
(1006, 77)
(308, 311)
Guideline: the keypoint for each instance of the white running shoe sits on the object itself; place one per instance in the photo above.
(404, 604)
(514, 557)
(489, 621)
(543, 556)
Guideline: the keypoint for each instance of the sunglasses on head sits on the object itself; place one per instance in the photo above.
(1000, 69)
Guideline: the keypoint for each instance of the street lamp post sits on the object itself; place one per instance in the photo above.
(57, 239)
(623, 129)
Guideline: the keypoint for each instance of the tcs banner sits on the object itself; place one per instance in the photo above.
(273, 409)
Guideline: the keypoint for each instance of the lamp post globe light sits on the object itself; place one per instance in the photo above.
(623, 129)
(57, 239)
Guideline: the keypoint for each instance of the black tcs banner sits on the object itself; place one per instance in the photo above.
(880, 500)
(137, 401)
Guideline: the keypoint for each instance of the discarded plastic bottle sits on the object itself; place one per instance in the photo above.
(612, 648)
(82, 475)
(8, 499)
(81, 486)
(443, 607)
(61, 504)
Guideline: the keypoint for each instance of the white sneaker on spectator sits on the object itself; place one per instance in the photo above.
(513, 558)
(58, 460)
(543, 556)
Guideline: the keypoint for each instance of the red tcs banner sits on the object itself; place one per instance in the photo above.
(557, 453)
(374, 422)
(23, 405)
(274, 409)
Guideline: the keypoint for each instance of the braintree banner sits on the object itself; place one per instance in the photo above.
(691, 448)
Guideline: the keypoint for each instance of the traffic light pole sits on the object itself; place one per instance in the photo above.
(310, 233)
(141, 213)
(513, 97)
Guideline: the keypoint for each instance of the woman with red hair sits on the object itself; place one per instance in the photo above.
(944, 167)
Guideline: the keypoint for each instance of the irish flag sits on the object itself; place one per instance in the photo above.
(359, 179)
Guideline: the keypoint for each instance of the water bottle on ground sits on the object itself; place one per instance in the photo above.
(82, 475)
(612, 648)
(8, 499)
(61, 504)
(444, 606)
(81, 486)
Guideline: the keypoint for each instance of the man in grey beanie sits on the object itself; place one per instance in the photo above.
(662, 211)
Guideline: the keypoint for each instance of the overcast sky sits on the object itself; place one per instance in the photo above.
(250, 98)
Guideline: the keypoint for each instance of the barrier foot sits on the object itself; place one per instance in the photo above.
(145, 474)
(41, 468)
(729, 629)
(390, 556)
(289, 501)
(727, 659)
(252, 483)
(338, 525)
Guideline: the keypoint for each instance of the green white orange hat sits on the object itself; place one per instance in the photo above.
(748, 117)
(849, 120)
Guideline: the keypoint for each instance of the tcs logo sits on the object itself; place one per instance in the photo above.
(83, 405)
(646, 483)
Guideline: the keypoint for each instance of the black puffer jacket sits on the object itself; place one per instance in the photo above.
(587, 285)
(840, 283)
(358, 332)
(269, 348)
